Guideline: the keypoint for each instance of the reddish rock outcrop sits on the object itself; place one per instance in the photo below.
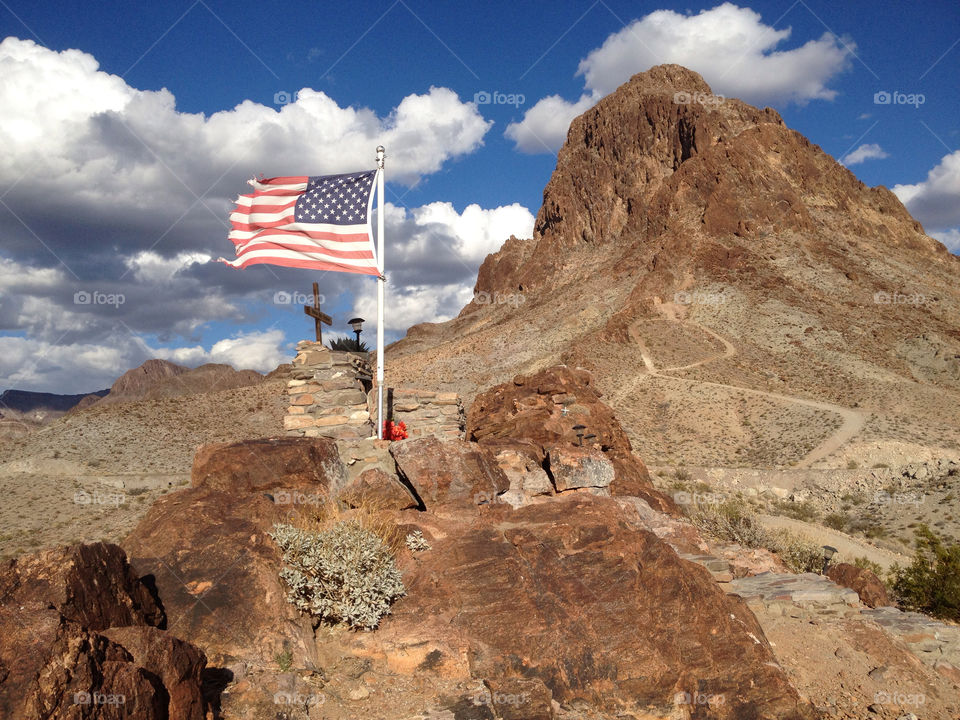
(449, 472)
(217, 571)
(178, 664)
(872, 592)
(283, 463)
(573, 593)
(92, 585)
(542, 410)
(77, 641)
(375, 489)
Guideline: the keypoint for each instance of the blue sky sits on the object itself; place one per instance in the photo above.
(129, 128)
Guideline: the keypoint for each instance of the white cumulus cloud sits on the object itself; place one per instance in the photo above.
(867, 151)
(111, 192)
(730, 46)
(935, 202)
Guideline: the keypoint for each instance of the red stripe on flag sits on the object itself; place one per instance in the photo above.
(248, 227)
(247, 209)
(310, 265)
(284, 180)
(328, 236)
(292, 247)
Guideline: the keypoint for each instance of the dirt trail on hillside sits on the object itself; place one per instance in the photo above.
(853, 420)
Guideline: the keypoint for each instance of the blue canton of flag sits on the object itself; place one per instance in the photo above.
(336, 199)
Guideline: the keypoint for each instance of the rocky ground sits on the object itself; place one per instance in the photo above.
(555, 583)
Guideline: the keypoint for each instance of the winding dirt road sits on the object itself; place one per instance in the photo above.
(852, 420)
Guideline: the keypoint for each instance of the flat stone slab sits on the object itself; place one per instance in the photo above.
(929, 639)
(718, 567)
(806, 590)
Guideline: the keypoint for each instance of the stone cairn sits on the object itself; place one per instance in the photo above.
(332, 395)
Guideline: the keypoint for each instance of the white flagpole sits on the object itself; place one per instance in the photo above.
(380, 282)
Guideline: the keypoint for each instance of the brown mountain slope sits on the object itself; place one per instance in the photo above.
(741, 297)
(156, 379)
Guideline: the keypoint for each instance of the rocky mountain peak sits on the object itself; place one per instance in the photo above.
(663, 160)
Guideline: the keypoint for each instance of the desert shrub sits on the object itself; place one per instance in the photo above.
(837, 521)
(342, 574)
(284, 660)
(733, 522)
(730, 521)
(865, 563)
(797, 553)
(416, 542)
(796, 510)
(931, 583)
(854, 498)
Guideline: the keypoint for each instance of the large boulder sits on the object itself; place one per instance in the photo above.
(580, 468)
(377, 490)
(449, 472)
(543, 410)
(285, 463)
(92, 585)
(574, 593)
(178, 664)
(217, 571)
(78, 640)
(872, 591)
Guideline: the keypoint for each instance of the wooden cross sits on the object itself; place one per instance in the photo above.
(318, 316)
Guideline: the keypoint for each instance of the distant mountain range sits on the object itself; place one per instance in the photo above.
(26, 401)
(152, 380)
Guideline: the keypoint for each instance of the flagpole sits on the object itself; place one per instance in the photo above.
(380, 282)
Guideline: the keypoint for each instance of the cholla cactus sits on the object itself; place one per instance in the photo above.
(343, 574)
(417, 542)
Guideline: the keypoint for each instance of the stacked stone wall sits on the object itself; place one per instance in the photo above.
(331, 394)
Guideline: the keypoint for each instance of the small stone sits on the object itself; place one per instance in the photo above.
(331, 420)
(302, 400)
(359, 693)
(294, 422)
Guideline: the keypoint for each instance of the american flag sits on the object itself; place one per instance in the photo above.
(322, 223)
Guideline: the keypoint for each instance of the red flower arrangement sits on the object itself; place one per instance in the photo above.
(394, 431)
